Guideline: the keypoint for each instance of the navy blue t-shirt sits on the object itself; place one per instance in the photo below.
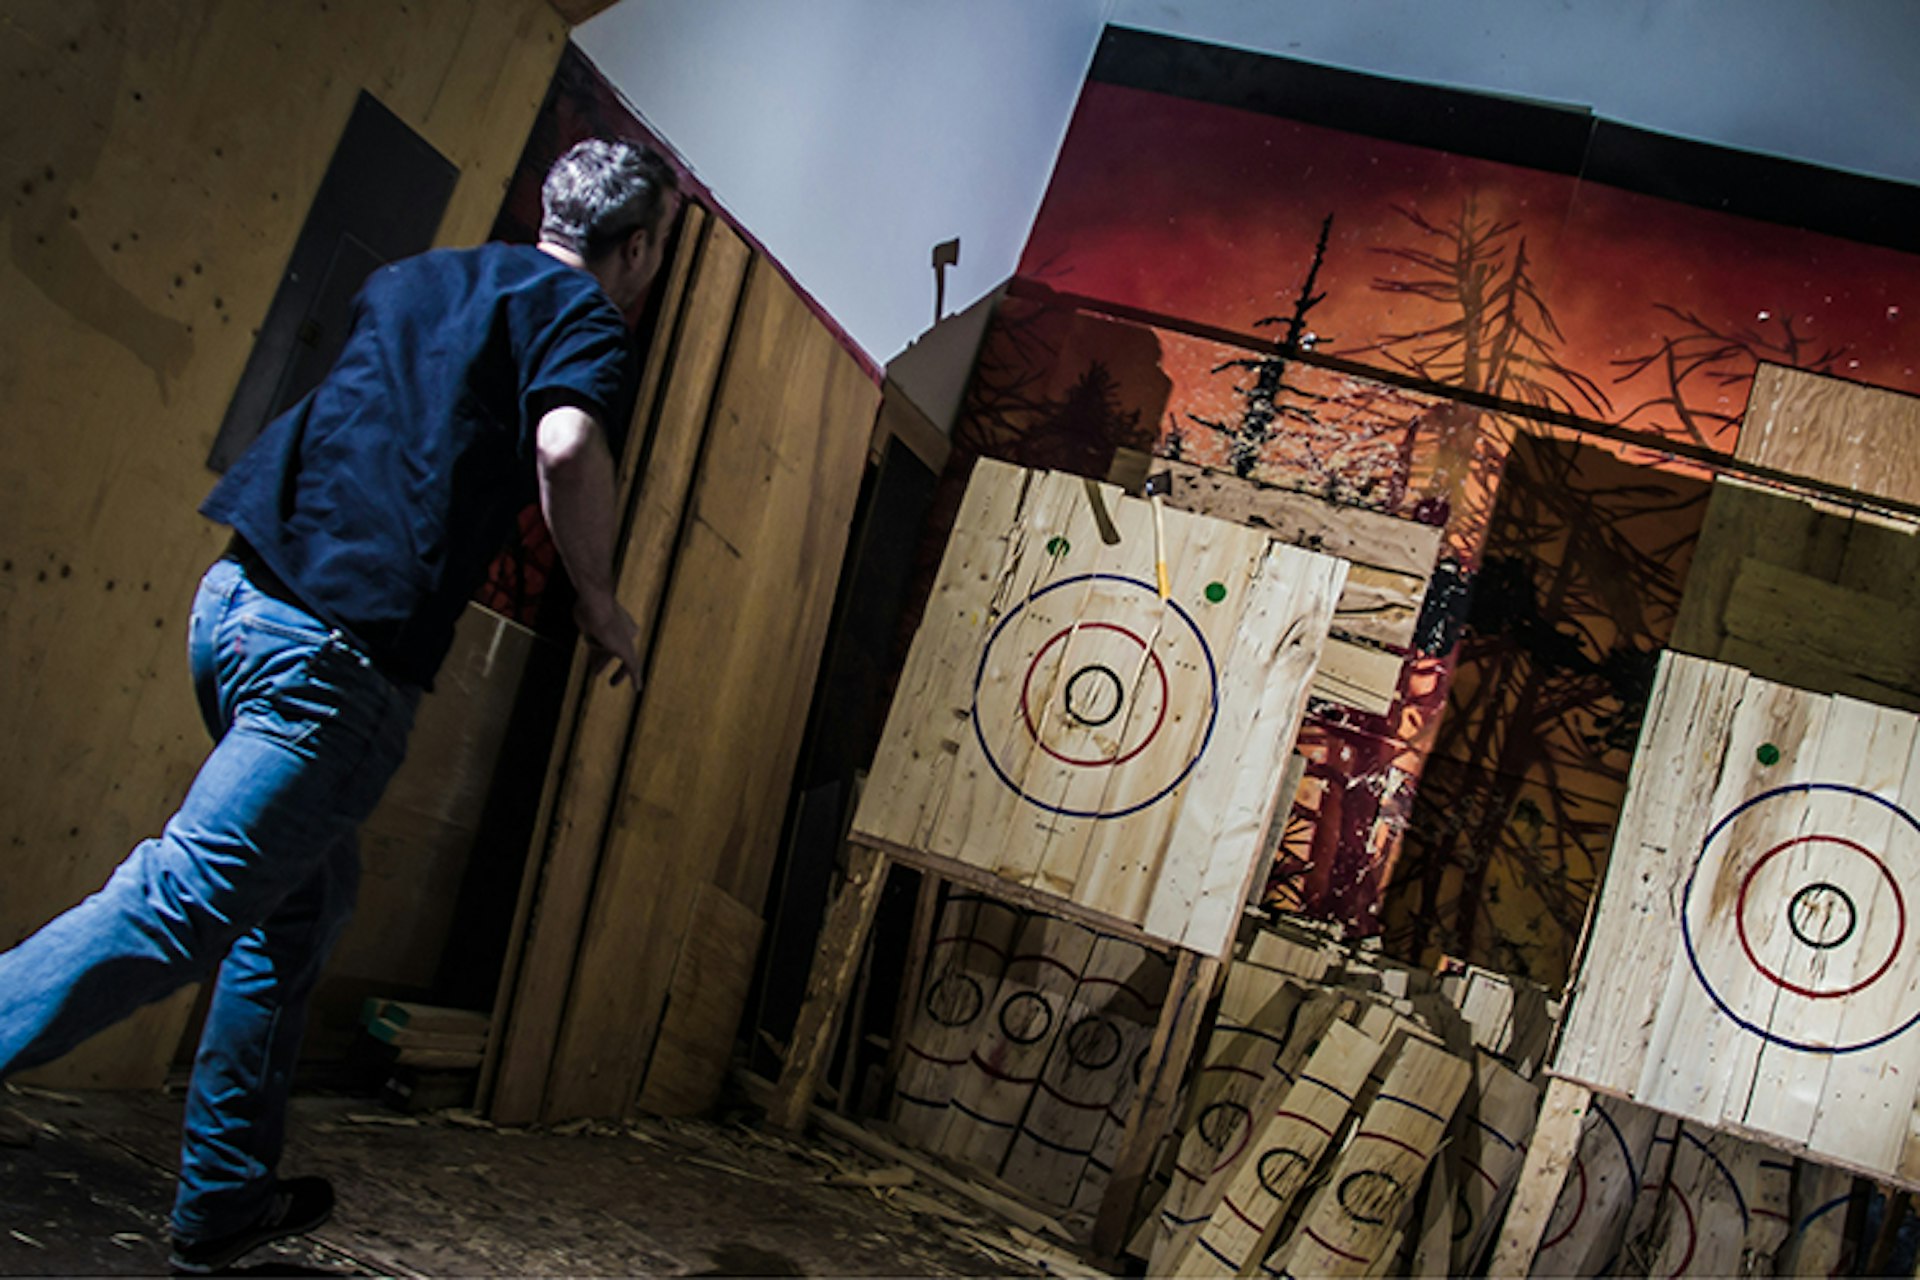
(381, 498)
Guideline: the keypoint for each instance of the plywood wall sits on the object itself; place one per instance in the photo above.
(156, 163)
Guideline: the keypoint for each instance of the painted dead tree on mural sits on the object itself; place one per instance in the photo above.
(1698, 375)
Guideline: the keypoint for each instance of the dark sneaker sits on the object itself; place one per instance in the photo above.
(297, 1206)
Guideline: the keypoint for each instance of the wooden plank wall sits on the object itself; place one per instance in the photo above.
(1748, 966)
(159, 161)
(1063, 731)
(1805, 591)
(678, 796)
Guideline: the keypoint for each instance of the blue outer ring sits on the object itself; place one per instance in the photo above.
(1213, 700)
(1686, 929)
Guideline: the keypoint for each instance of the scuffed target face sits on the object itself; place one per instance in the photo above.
(1094, 698)
(1799, 939)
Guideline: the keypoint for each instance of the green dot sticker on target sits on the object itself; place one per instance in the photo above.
(1216, 592)
(1058, 546)
(1768, 754)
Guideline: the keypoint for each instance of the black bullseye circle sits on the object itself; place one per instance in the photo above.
(1026, 1018)
(1369, 1196)
(1093, 1043)
(1822, 916)
(1096, 705)
(1220, 1122)
(1275, 1165)
(955, 1000)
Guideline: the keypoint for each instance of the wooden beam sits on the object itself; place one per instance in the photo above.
(843, 938)
(1151, 1110)
(1556, 1136)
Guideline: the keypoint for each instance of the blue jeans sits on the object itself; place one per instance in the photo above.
(255, 874)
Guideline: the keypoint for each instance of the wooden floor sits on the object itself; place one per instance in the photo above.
(88, 1195)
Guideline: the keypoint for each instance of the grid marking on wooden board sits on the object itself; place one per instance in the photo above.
(1062, 727)
(1752, 964)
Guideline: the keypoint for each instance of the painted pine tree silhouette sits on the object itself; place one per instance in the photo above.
(1271, 401)
(1079, 433)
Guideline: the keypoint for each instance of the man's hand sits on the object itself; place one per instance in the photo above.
(612, 636)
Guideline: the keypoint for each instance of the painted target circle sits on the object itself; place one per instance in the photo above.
(1274, 1167)
(954, 1000)
(1370, 1196)
(1094, 1043)
(1026, 1018)
(1225, 1124)
(1822, 915)
(1084, 676)
(1815, 918)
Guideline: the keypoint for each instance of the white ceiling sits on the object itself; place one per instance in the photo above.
(852, 135)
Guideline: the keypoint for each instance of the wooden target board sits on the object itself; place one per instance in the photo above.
(1752, 961)
(1062, 731)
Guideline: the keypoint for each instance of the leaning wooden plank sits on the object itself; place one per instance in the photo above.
(1151, 1110)
(1262, 1062)
(1358, 1217)
(1286, 1149)
(1550, 1154)
(1817, 1243)
(1242, 1046)
(730, 679)
(1487, 1155)
(570, 834)
(710, 980)
(1583, 1235)
(843, 937)
(1706, 1211)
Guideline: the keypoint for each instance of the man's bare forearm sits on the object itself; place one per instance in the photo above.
(577, 495)
(577, 498)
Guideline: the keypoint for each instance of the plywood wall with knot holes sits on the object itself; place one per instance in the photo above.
(156, 162)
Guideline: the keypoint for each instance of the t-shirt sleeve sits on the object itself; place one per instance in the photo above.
(585, 358)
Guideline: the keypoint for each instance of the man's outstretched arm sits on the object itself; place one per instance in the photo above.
(577, 497)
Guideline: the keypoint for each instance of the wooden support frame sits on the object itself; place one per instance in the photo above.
(843, 941)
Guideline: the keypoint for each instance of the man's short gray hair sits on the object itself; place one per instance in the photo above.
(600, 192)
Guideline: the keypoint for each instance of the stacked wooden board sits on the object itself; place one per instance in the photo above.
(1344, 1120)
(1391, 562)
(1024, 1047)
(1748, 966)
(1097, 712)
